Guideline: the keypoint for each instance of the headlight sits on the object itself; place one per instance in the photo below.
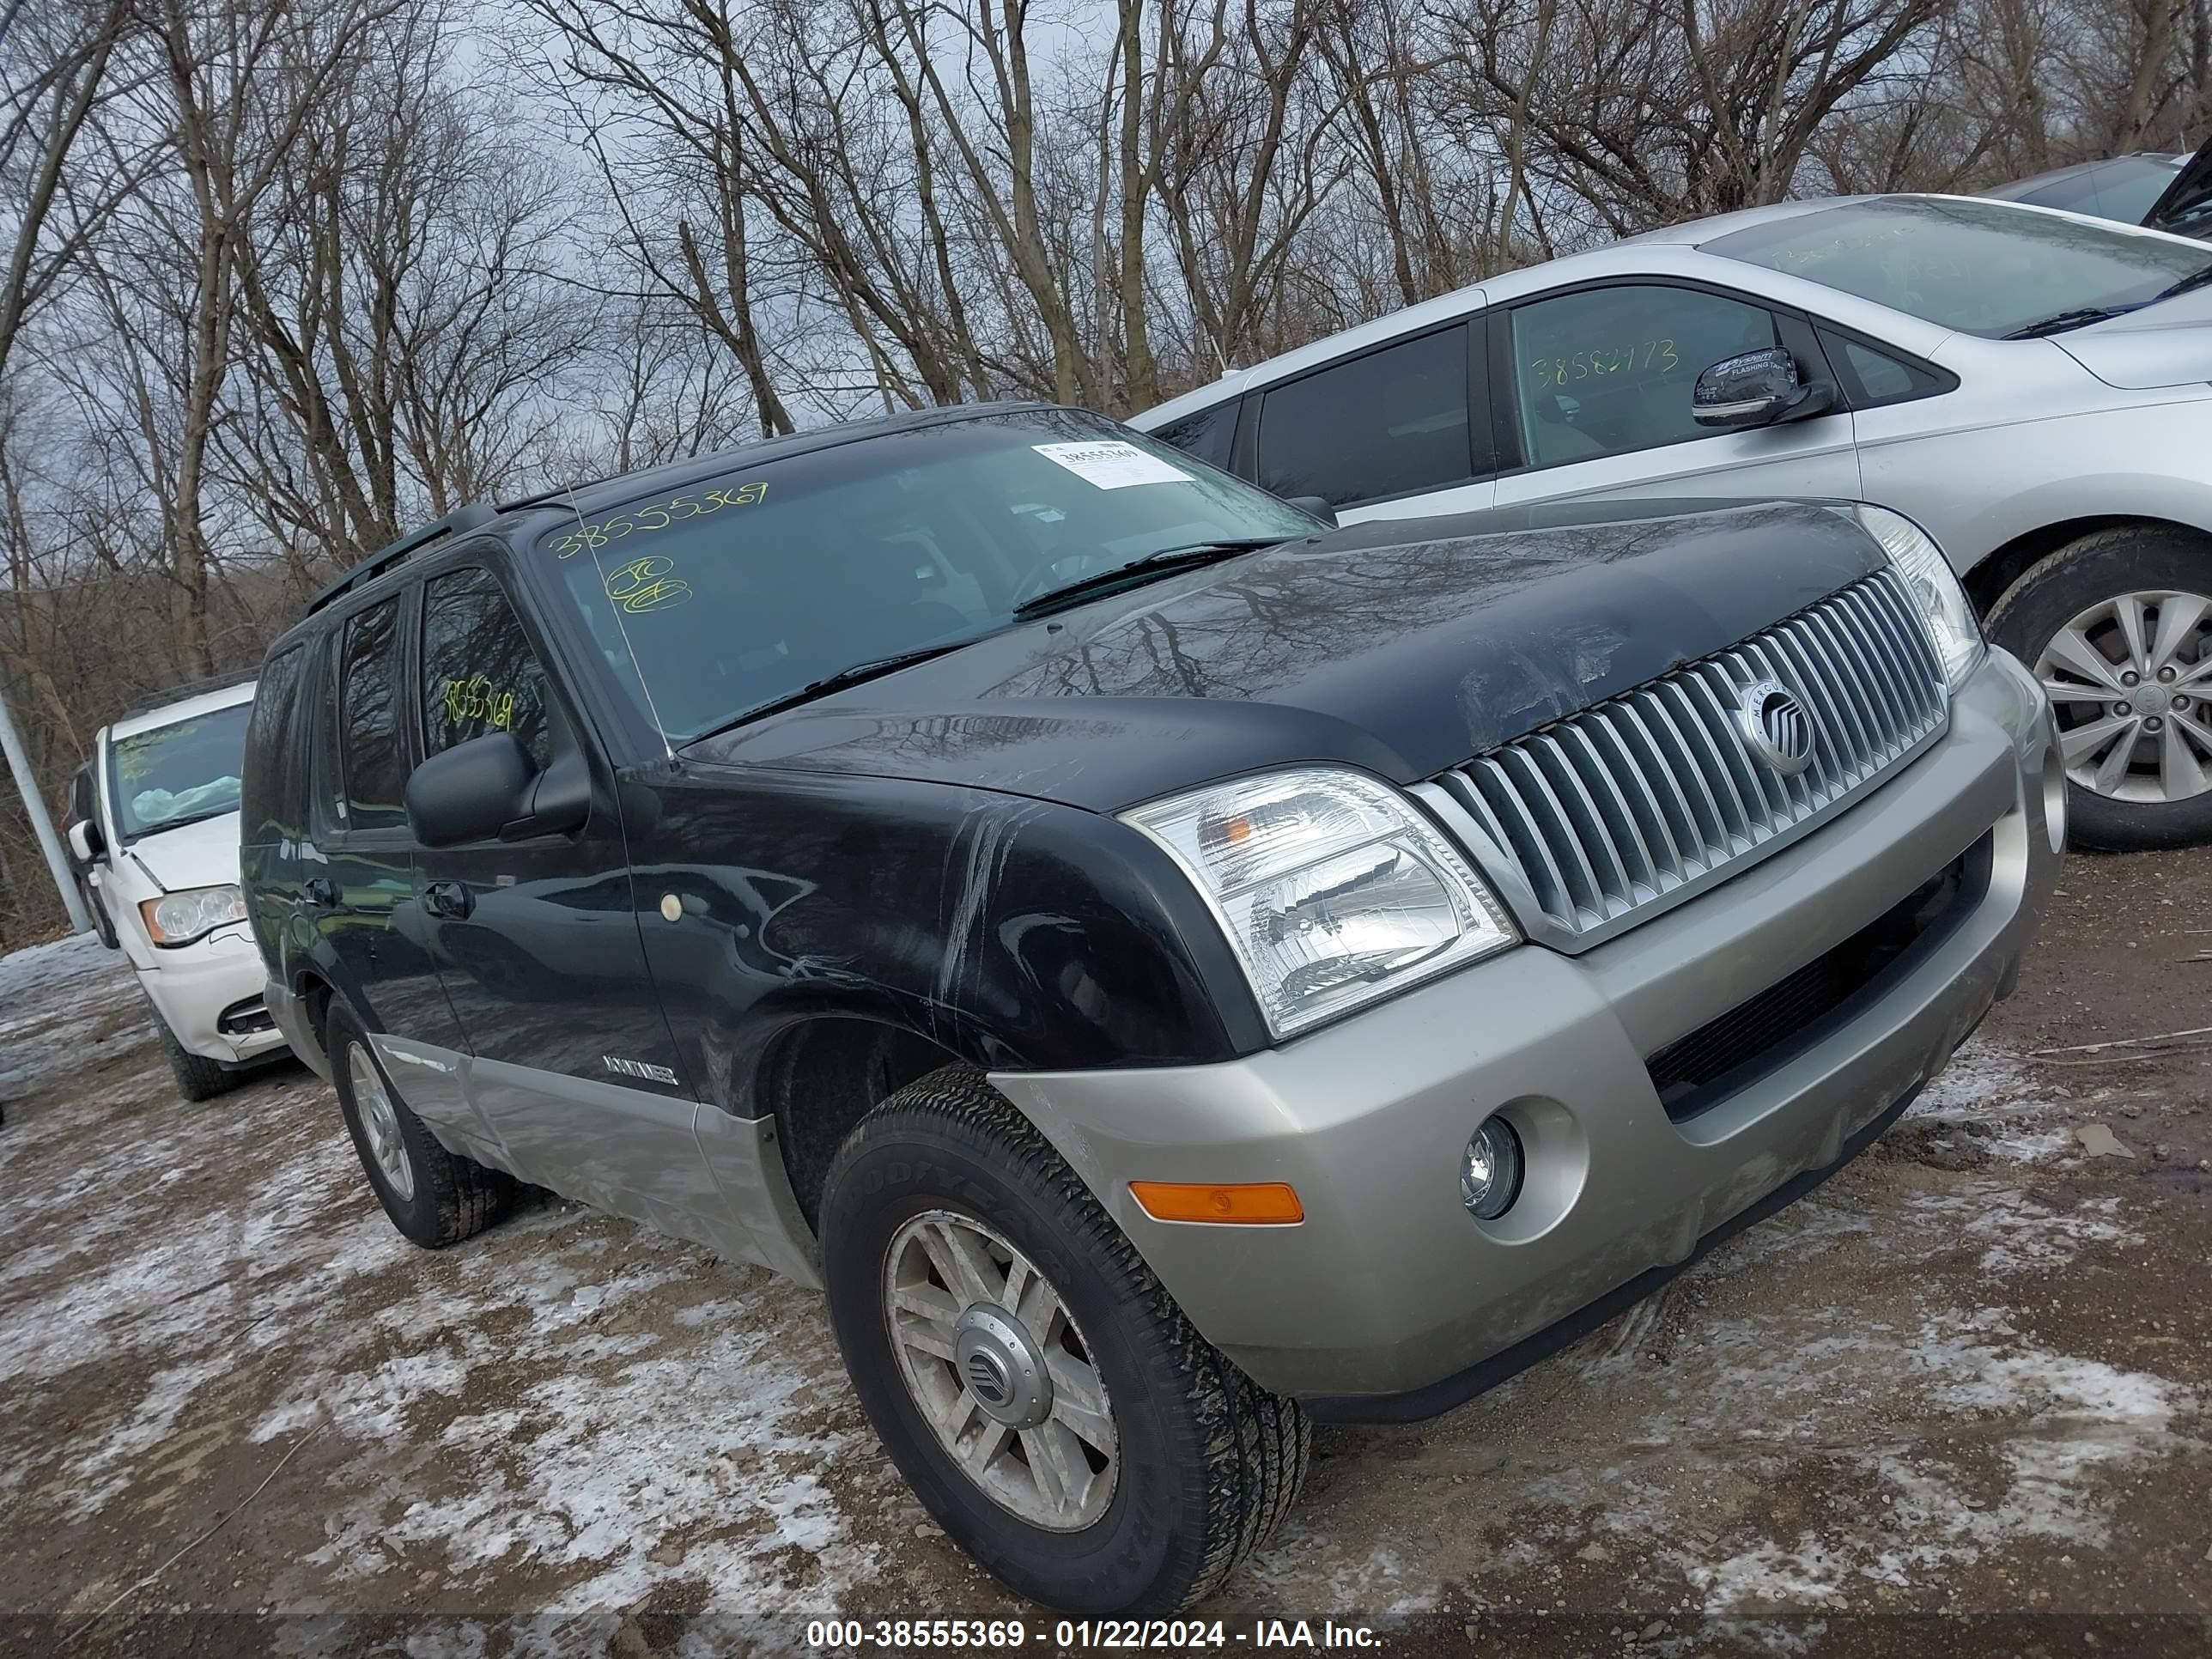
(1333, 889)
(1944, 611)
(180, 917)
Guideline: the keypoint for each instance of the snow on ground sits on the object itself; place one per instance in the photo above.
(1994, 1101)
(626, 1409)
(574, 1419)
(2007, 1108)
(37, 986)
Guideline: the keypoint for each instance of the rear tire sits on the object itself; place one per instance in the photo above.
(198, 1077)
(435, 1197)
(2164, 573)
(1203, 1463)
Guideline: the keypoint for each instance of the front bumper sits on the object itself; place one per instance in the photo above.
(1387, 1300)
(208, 994)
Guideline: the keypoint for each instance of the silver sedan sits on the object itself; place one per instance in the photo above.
(2032, 387)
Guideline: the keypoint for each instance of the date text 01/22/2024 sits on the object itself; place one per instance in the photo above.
(1075, 1634)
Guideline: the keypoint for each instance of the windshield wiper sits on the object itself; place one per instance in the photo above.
(874, 668)
(179, 822)
(2079, 317)
(2195, 280)
(1188, 555)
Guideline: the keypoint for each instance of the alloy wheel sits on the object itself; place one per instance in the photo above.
(997, 1366)
(2131, 678)
(381, 1121)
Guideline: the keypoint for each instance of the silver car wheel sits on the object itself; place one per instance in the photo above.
(380, 1122)
(2132, 680)
(994, 1360)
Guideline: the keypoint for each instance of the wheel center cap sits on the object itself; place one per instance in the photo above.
(2151, 699)
(1001, 1366)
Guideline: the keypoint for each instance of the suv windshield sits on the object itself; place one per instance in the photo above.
(1983, 268)
(178, 774)
(736, 593)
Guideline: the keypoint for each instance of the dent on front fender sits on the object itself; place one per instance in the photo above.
(1012, 932)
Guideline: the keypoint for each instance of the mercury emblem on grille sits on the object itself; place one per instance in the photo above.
(1776, 726)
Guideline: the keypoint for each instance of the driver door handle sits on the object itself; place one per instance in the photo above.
(322, 892)
(450, 899)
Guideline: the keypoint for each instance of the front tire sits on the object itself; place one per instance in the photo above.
(1039, 1388)
(435, 1197)
(198, 1077)
(98, 914)
(2118, 627)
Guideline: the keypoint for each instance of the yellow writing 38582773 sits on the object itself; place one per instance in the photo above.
(1622, 357)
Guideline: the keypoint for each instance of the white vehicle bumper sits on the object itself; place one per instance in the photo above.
(210, 994)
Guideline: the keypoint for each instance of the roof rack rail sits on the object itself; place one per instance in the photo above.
(161, 699)
(460, 520)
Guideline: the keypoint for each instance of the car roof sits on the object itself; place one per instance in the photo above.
(183, 708)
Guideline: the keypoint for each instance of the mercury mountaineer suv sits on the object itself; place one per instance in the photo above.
(1169, 969)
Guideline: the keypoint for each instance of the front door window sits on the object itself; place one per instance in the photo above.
(479, 673)
(1605, 370)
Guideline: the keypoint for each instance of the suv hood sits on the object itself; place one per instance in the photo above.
(2169, 344)
(203, 854)
(1402, 646)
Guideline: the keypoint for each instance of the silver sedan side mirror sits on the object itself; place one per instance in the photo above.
(1756, 388)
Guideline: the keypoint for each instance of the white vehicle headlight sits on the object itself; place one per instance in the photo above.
(1332, 888)
(1944, 609)
(180, 917)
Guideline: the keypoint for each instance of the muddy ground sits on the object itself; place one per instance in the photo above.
(1967, 1378)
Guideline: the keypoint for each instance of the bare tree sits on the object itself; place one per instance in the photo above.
(233, 86)
(57, 66)
(401, 320)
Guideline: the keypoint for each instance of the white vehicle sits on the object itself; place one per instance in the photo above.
(2032, 388)
(162, 845)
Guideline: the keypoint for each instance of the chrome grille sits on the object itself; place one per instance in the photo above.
(1624, 807)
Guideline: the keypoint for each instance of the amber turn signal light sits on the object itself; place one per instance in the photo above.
(1259, 1203)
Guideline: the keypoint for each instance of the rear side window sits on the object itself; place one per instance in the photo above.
(1391, 422)
(1210, 434)
(479, 673)
(273, 801)
(372, 755)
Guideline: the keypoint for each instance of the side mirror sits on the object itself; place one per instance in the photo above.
(1317, 505)
(1756, 388)
(84, 840)
(490, 789)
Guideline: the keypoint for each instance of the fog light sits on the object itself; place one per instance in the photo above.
(1490, 1174)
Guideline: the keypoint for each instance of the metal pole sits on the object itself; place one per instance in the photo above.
(42, 826)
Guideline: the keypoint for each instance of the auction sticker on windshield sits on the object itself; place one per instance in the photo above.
(1112, 464)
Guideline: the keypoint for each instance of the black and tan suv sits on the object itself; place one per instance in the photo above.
(1169, 968)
